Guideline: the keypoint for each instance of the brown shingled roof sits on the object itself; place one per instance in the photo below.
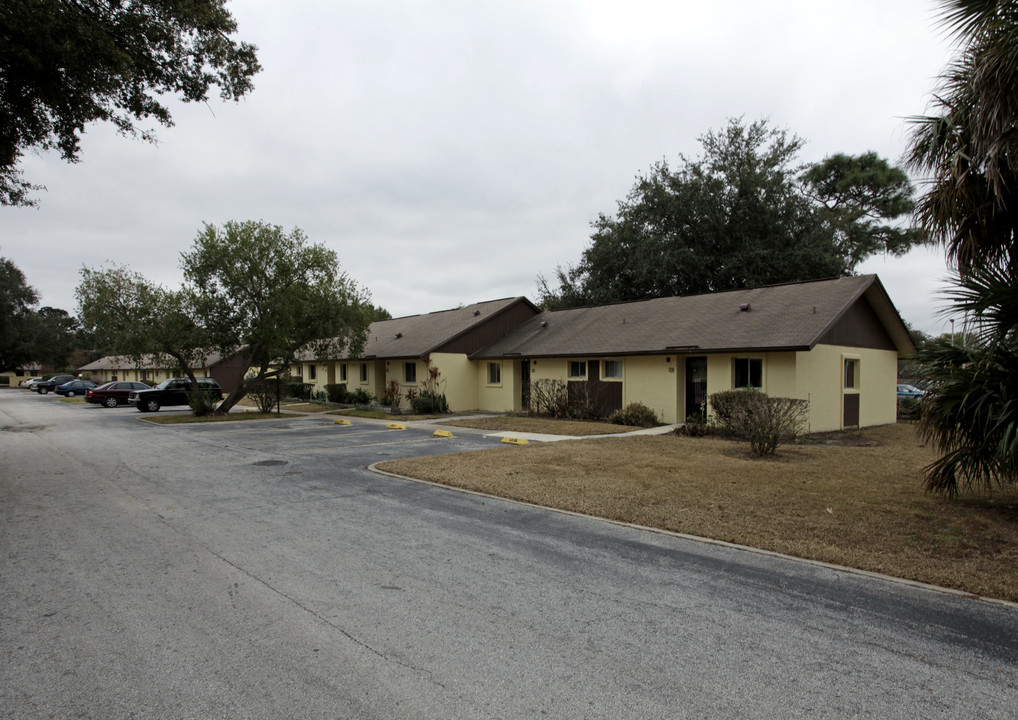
(415, 336)
(793, 316)
(148, 362)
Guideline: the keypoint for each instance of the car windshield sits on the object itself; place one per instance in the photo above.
(164, 384)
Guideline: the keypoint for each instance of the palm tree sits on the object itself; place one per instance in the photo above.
(969, 149)
(971, 414)
(969, 146)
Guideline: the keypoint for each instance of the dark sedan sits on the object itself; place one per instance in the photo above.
(45, 386)
(174, 391)
(74, 387)
(113, 393)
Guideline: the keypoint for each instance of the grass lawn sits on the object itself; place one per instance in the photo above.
(859, 503)
(189, 418)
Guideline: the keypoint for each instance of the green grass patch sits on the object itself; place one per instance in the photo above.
(186, 419)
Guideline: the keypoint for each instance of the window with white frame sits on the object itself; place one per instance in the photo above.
(494, 373)
(613, 369)
(578, 368)
(342, 372)
(364, 372)
(748, 372)
(851, 373)
(312, 372)
(410, 373)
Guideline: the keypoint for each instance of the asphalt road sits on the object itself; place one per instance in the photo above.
(258, 570)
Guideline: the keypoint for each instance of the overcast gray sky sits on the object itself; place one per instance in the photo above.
(452, 150)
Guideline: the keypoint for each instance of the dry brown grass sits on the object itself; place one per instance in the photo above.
(504, 423)
(859, 506)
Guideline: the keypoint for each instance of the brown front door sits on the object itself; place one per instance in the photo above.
(851, 414)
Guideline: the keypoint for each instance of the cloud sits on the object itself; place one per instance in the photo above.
(452, 151)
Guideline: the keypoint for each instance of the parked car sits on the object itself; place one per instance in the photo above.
(114, 393)
(74, 387)
(909, 391)
(27, 382)
(53, 383)
(171, 392)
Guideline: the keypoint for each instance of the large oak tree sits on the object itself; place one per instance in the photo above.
(745, 213)
(67, 63)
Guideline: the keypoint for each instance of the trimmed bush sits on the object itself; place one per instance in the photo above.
(636, 414)
(724, 406)
(426, 403)
(360, 396)
(696, 426)
(299, 390)
(201, 403)
(336, 392)
(764, 421)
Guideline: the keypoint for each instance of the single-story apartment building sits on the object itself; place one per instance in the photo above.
(832, 342)
(12, 378)
(153, 369)
(401, 349)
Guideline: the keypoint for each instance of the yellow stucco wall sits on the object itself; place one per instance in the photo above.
(499, 397)
(458, 379)
(821, 382)
(658, 381)
(654, 381)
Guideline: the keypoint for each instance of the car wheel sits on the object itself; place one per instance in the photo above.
(43, 391)
(110, 401)
(70, 393)
(151, 406)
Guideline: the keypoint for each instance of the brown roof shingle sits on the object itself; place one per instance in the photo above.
(415, 336)
(778, 317)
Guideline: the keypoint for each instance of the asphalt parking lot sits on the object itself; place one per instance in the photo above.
(258, 569)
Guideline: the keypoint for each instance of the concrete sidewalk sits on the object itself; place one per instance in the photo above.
(443, 424)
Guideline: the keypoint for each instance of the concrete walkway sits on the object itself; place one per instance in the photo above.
(443, 424)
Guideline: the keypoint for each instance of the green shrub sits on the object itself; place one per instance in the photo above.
(696, 425)
(299, 390)
(636, 414)
(336, 392)
(427, 403)
(764, 421)
(201, 403)
(908, 409)
(360, 396)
